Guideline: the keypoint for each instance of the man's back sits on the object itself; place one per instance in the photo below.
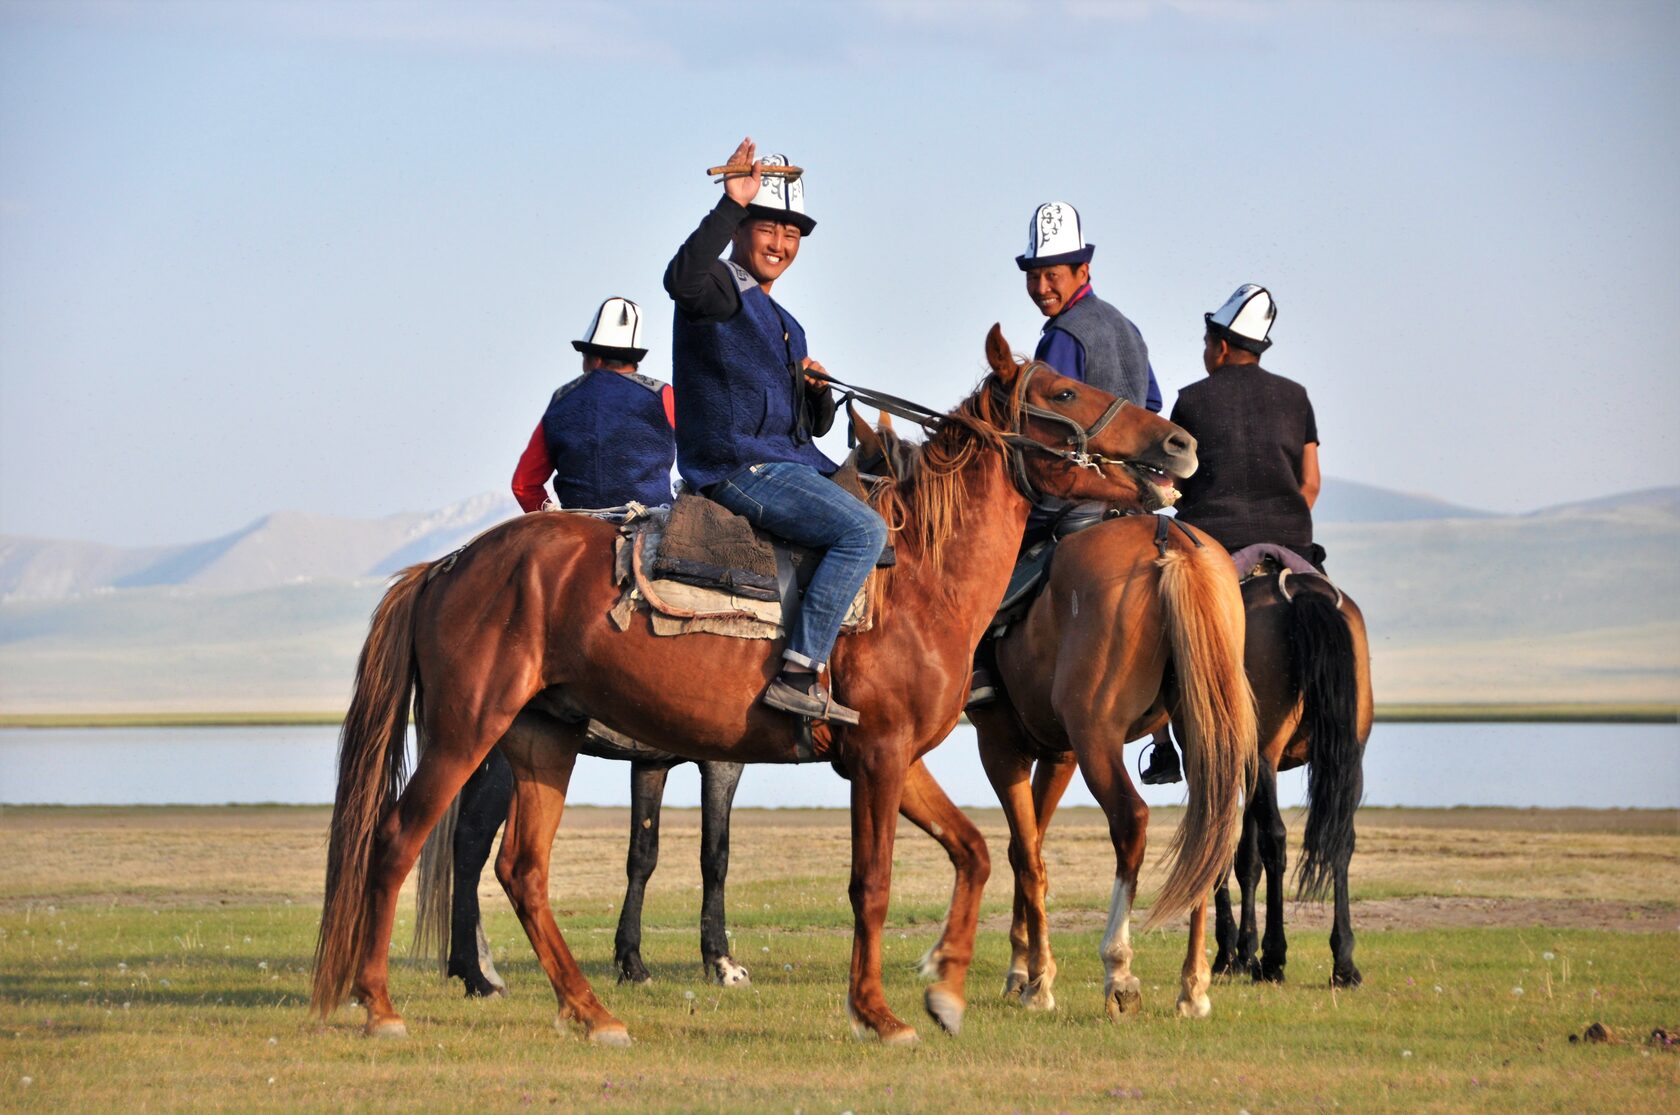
(1251, 427)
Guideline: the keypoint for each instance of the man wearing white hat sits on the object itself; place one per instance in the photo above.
(1257, 444)
(752, 399)
(606, 437)
(1086, 338)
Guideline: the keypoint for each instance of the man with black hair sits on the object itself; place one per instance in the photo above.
(752, 399)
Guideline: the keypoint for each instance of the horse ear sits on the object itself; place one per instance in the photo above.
(886, 421)
(999, 356)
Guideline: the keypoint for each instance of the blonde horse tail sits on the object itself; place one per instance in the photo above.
(371, 772)
(1216, 721)
(435, 889)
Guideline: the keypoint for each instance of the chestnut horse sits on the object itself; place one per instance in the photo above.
(1310, 666)
(511, 643)
(1140, 620)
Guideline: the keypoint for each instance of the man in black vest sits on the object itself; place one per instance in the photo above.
(1257, 441)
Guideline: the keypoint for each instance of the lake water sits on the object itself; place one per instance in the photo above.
(1597, 766)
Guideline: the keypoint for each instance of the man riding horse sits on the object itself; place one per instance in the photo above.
(1083, 338)
(751, 400)
(1259, 476)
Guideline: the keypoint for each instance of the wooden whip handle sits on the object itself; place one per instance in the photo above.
(769, 171)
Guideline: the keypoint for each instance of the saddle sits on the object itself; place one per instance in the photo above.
(1032, 568)
(701, 567)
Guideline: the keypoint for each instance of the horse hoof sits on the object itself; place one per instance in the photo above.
(1013, 983)
(1123, 1001)
(1268, 975)
(387, 1028)
(1199, 1007)
(613, 1037)
(1350, 978)
(945, 1008)
(730, 974)
(903, 1036)
(1038, 997)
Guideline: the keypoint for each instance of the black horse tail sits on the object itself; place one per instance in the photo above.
(1323, 672)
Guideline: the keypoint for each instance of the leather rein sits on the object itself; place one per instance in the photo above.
(1018, 442)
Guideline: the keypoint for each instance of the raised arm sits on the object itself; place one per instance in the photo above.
(696, 279)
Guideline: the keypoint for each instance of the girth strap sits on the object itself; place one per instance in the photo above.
(1161, 528)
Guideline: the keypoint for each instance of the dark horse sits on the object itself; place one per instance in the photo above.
(454, 857)
(511, 644)
(1139, 620)
(1310, 667)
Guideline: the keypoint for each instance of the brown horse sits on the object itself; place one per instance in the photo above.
(1310, 666)
(1138, 621)
(511, 644)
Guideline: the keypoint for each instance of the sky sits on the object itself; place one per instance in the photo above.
(330, 256)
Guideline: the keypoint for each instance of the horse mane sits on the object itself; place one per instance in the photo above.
(923, 505)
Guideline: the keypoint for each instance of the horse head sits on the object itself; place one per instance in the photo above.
(1077, 442)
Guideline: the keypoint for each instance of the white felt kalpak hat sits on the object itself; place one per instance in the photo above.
(781, 199)
(1245, 319)
(615, 332)
(1054, 236)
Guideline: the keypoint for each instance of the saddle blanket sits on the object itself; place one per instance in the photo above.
(678, 607)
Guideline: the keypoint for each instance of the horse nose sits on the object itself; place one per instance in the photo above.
(1180, 444)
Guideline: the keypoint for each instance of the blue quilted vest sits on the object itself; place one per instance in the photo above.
(735, 384)
(609, 441)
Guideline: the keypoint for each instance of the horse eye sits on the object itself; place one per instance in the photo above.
(1066, 396)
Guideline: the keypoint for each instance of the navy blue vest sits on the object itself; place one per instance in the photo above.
(735, 384)
(609, 441)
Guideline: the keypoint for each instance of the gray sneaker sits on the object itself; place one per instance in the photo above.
(815, 703)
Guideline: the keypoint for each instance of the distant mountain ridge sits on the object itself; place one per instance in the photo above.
(280, 548)
(288, 547)
(1575, 603)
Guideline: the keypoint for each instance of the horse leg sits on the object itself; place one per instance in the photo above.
(1345, 973)
(1225, 927)
(1128, 824)
(1273, 845)
(1010, 770)
(484, 806)
(718, 782)
(542, 761)
(877, 786)
(437, 780)
(1193, 1001)
(1051, 775)
(647, 791)
(929, 809)
(1247, 958)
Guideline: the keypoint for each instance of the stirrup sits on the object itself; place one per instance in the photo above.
(982, 690)
(1163, 767)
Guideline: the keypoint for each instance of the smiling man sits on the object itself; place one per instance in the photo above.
(749, 400)
(1086, 338)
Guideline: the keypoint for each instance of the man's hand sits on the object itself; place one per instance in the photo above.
(742, 188)
(815, 374)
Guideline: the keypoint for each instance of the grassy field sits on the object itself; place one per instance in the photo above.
(156, 959)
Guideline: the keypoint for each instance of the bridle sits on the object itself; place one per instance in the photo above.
(1015, 439)
(1079, 455)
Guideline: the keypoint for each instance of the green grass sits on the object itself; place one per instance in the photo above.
(131, 1008)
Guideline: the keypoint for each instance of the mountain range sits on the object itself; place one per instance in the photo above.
(1575, 602)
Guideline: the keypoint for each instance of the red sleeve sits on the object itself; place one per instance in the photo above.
(532, 473)
(670, 398)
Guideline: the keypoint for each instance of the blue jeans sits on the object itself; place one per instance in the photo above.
(800, 504)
